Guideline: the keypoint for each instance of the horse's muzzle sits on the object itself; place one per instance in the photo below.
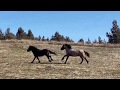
(62, 48)
(28, 50)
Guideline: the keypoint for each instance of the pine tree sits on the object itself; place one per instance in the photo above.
(88, 41)
(39, 38)
(43, 38)
(9, 35)
(114, 36)
(81, 40)
(1, 35)
(19, 33)
(99, 40)
(30, 35)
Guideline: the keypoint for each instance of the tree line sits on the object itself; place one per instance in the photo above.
(113, 36)
(21, 34)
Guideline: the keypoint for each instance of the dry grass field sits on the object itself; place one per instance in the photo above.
(104, 62)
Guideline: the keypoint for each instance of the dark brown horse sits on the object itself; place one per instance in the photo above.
(37, 52)
(72, 52)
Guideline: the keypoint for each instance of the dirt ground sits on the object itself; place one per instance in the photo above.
(104, 62)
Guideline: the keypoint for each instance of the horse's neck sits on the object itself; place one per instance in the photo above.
(35, 49)
(67, 50)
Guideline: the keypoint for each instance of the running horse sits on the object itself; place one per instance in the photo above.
(72, 52)
(37, 53)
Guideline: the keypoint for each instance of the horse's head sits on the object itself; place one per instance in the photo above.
(65, 46)
(30, 48)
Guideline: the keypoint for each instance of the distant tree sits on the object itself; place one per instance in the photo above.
(62, 38)
(39, 38)
(71, 40)
(104, 41)
(88, 41)
(47, 39)
(24, 35)
(30, 35)
(19, 33)
(7, 31)
(99, 40)
(58, 37)
(114, 36)
(1, 35)
(95, 41)
(110, 37)
(9, 35)
(52, 38)
(67, 39)
(43, 38)
(81, 40)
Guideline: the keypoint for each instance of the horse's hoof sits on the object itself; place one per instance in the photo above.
(31, 62)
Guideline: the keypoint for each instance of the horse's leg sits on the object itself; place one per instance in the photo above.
(63, 57)
(48, 58)
(38, 60)
(86, 60)
(82, 60)
(33, 60)
(51, 58)
(66, 59)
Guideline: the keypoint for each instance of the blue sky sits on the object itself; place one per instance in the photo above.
(75, 24)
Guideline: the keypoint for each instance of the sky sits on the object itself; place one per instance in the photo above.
(75, 24)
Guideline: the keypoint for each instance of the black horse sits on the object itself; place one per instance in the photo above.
(37, 52)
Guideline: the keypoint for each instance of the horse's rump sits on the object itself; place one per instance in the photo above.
(52, 52)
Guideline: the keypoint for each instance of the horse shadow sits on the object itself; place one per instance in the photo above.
(53, 62)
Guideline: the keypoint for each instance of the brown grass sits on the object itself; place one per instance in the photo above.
(104, 62)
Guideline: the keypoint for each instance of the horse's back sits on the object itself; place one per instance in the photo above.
(73, 52)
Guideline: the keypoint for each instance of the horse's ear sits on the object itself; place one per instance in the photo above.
(68, 45)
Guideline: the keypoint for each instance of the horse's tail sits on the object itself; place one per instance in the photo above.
(52, 52)
(87, 54)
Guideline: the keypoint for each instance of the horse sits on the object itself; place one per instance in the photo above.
(72, 52)
(38, 53)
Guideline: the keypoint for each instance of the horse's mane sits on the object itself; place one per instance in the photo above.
(69, 46)
(34, 47)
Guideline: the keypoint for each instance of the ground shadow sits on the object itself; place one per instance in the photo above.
(51, 63)
(48, 63)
